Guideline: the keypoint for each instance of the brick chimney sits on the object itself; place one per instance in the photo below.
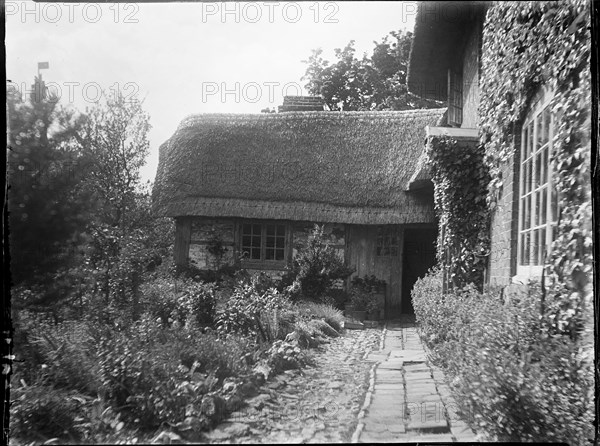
(301, 103)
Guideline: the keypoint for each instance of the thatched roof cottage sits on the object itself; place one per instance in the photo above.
(261, 181)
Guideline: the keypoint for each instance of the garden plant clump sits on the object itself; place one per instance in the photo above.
(178, 360)
(514, 378)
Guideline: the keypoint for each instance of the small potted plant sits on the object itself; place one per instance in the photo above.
(368, 295)
(358, 299)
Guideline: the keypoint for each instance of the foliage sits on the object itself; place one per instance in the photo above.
(318, 266)
(375, 83)
(245, 310)
(363, 291)
(515, 379)
(532, 44)
(180, 300)
(48, 202)
(325, 312)
(48, 412)
(284, 355)
(153, 374)
(460, 178)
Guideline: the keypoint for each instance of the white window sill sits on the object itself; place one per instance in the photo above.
(526, 273)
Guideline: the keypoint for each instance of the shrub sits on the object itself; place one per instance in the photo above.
(175, 299)
(198, 300)
(516, 379)
(317, 266)
(44, 410)
(247, 309)
(362, 293)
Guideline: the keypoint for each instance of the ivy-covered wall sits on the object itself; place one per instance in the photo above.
(527, 45)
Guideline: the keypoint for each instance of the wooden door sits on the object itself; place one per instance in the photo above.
(377, 250)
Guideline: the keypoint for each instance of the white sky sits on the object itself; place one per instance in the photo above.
(181, 57)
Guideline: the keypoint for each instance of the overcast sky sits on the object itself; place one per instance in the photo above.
(186, 58)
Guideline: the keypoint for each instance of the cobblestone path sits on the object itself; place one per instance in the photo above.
(407, 399)
(318, 404)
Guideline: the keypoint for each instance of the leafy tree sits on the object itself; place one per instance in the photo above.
(375, 83)
(47, 204)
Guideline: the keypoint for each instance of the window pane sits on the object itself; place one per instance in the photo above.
(279, 254)
(538, 171)
(546, 126)
(524, 249)
(280, 242)
(270, 242)
(527, 212)
(530, 140)
(536, 216)
(247, 229)
(536, 248)
(270, 230)
(542, 244)
(524, 143)
(281, 230)
(269, 254)
(545, 166)
(544, 205)
(255, 254)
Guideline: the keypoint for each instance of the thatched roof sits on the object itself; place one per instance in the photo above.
(439, 35)
(346, 167)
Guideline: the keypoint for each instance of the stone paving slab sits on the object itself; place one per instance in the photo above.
(405, 401)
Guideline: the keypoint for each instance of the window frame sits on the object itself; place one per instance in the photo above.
(530, 189)
(387, 235)
(263, 262)
(455, 97)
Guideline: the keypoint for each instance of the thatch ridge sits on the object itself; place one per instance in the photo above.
(320, 166)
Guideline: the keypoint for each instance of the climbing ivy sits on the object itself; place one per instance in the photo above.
(527, 45)
(460, 178)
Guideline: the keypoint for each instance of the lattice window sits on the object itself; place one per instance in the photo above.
(387, 242)
(263, 241)
(538, 209)
(455, 98)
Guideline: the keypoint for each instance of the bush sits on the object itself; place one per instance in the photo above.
(514, 379)
(317, 266)
(43, 410)
(249, 307)
(182, 300)
(198, 300)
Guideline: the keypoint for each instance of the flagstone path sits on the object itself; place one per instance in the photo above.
(367, 386)
(407, 399)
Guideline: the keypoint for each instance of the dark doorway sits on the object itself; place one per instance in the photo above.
(419, 256)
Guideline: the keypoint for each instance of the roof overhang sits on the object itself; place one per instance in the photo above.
(439, 34)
